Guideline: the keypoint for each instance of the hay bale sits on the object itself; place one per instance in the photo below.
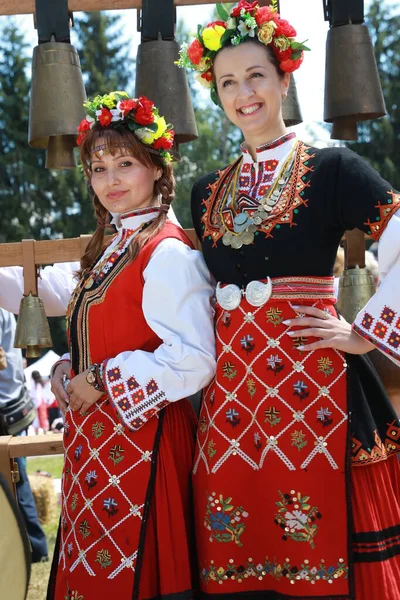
(44, 495)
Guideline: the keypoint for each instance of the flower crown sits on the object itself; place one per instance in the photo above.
(245, 21)
(117, 110)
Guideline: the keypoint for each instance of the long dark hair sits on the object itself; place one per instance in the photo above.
(165, 187)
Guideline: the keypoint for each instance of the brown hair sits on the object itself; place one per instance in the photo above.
(165, 187)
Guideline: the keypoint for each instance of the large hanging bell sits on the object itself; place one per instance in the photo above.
(291, 111)
(158, 78)
(56, 102)
(33, 331)
(352, 88)
(356, 287)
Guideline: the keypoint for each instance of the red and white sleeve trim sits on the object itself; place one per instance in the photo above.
(381, 328)
(135, 404)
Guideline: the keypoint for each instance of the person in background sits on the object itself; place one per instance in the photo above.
(39, 396)
(12, 380)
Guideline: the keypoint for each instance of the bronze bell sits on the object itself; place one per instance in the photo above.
(352, 88)
(33, 331)
(56, 102)
(291, 111)
(158, 78)
(356, 287)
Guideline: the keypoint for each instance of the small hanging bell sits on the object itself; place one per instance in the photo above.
(291, 111)
(352, 88)
(33, 331)
(56, 101)
(60, 152)
(356, 287)
(158, 78)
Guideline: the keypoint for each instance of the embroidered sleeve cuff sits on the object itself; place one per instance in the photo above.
(135, 404)
(381, 329)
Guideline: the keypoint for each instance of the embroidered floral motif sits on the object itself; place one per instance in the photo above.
(251, 387)
(211, 449)
(226, 318)
(297, 517)
(78, 452)
(257, 440)
(84, 528)
(271, 568)
(272, 416)
(324, 415)
(388, 315)
(299, 439)
(116, 454)
(380, 330)
(74, 501)
(232, 417)
(203, 424)
(247, 343)
(135, 404)
(377, 227)
(299, 341)
(103, 557)
(229, 370)
(97, 429)
(275, 364)
(223, 520)
(70, 595)
(300, 390)
(325, 366)
(274, 316)
(367, 321)
(110, 505)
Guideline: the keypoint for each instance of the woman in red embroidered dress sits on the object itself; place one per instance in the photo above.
(296, 474)
(141, 339)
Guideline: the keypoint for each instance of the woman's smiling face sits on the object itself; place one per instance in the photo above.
(251, 91)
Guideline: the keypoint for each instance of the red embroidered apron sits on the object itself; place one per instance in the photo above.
(116, 498)
(270, 467)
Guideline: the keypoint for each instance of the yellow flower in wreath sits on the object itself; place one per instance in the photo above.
(266, 32)
(161, 127)
(212, 36)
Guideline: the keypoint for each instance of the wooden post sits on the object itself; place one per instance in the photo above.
(6, 465)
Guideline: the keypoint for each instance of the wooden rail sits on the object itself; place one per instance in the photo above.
(18, 447)
(25, 7)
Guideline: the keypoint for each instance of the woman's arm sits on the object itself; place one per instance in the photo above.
(177, 306)
(55, 286)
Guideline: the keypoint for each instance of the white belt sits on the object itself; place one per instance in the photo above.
(256, 292)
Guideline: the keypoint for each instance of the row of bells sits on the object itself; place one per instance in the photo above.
(352, 91)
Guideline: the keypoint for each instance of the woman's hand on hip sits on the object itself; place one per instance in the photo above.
(82, 395)
(333, 332)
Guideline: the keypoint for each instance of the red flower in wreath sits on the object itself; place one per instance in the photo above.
(127, 105)
(265, 14)
(247, 6)
(208, 76)
(290, 65)
(164, 143)
(84, 125)
(144, 114)
(285, 28)
(282, 55)
(195, 52)
(105, 117)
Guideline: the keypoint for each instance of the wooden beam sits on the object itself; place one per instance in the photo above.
(26, 7)
(48, 252)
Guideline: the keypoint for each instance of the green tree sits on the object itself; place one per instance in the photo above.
(379, 140)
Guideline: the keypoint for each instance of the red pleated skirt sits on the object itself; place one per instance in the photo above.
(376, 514)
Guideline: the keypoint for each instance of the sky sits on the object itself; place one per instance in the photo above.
(306, 16)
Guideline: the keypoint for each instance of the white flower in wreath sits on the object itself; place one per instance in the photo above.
(296, 519)
(248, 27)
(92, 121)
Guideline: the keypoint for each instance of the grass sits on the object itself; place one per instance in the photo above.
(40, 571)
(50, 464)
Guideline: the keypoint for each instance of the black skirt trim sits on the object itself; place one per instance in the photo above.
(266, 595)
(377, 546)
